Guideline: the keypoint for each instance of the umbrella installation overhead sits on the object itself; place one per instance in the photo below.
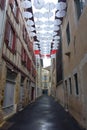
(45, 25)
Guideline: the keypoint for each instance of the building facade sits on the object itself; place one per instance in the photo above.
(74, 51)
(59, 75)
(53, 77)
(17, 60)
(46, 82)
(38, 77)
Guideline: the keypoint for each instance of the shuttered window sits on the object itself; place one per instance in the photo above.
(79, 4)
(15, 8)
(2, 4)
(7, 30)
(23, 56)
(25, 35)
(10, 37)
(68, 34)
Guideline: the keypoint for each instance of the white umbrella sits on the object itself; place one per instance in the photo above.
(47, 48)
(39, 28)
(56, 38)
(45, 37)
(38, 14)
(48, 28)
(31, 28)
(57, 22)
(55, 48)
(27, 14)
(39, 23)
(32, 34)
(44, 32)
(56, 28)
(39, 4)
(49, 6)
(49, 22)
(55, 45)
(44, 45)
(48, 14)
(45, 51)
(26, 4)
(30, 22)
(54, 33)
(55, 41)
(60, 14)
(61, 6)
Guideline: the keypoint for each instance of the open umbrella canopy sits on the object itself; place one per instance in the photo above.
(60, 13)
(27, 14)
(30, 22)
(38, 4)
(38, 14)
(50, 6)
(44, 23)
(57, 22)
(61, 6)
(26, 4)
(48, 14)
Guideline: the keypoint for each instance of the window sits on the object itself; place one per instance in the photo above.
(15, 9)
(23, 56)
(28, 63)
(2, 4)
(68, 34)
(66, 85)
(10, 37)
(45, 77)
(70, 84)
(76, 83)
(79, 6)
(25, 35)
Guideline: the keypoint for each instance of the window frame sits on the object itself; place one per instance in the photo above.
(70, 85)
(10, 37)
(68, 33)
(76, 84)
(79, 4)
(14, 5)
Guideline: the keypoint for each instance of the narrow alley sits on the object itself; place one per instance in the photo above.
(43, 64)
(44, 114)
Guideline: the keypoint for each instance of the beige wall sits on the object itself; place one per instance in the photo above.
(60, 93)
(13, 62)
(76, 62)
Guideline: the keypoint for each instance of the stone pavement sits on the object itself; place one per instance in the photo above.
(43, 114)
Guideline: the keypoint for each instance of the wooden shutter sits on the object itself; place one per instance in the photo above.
(17, 14)
(11, 2)
(29, 64)
(7, 32)
(14, 43)
(2, 4)
(23, 56)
